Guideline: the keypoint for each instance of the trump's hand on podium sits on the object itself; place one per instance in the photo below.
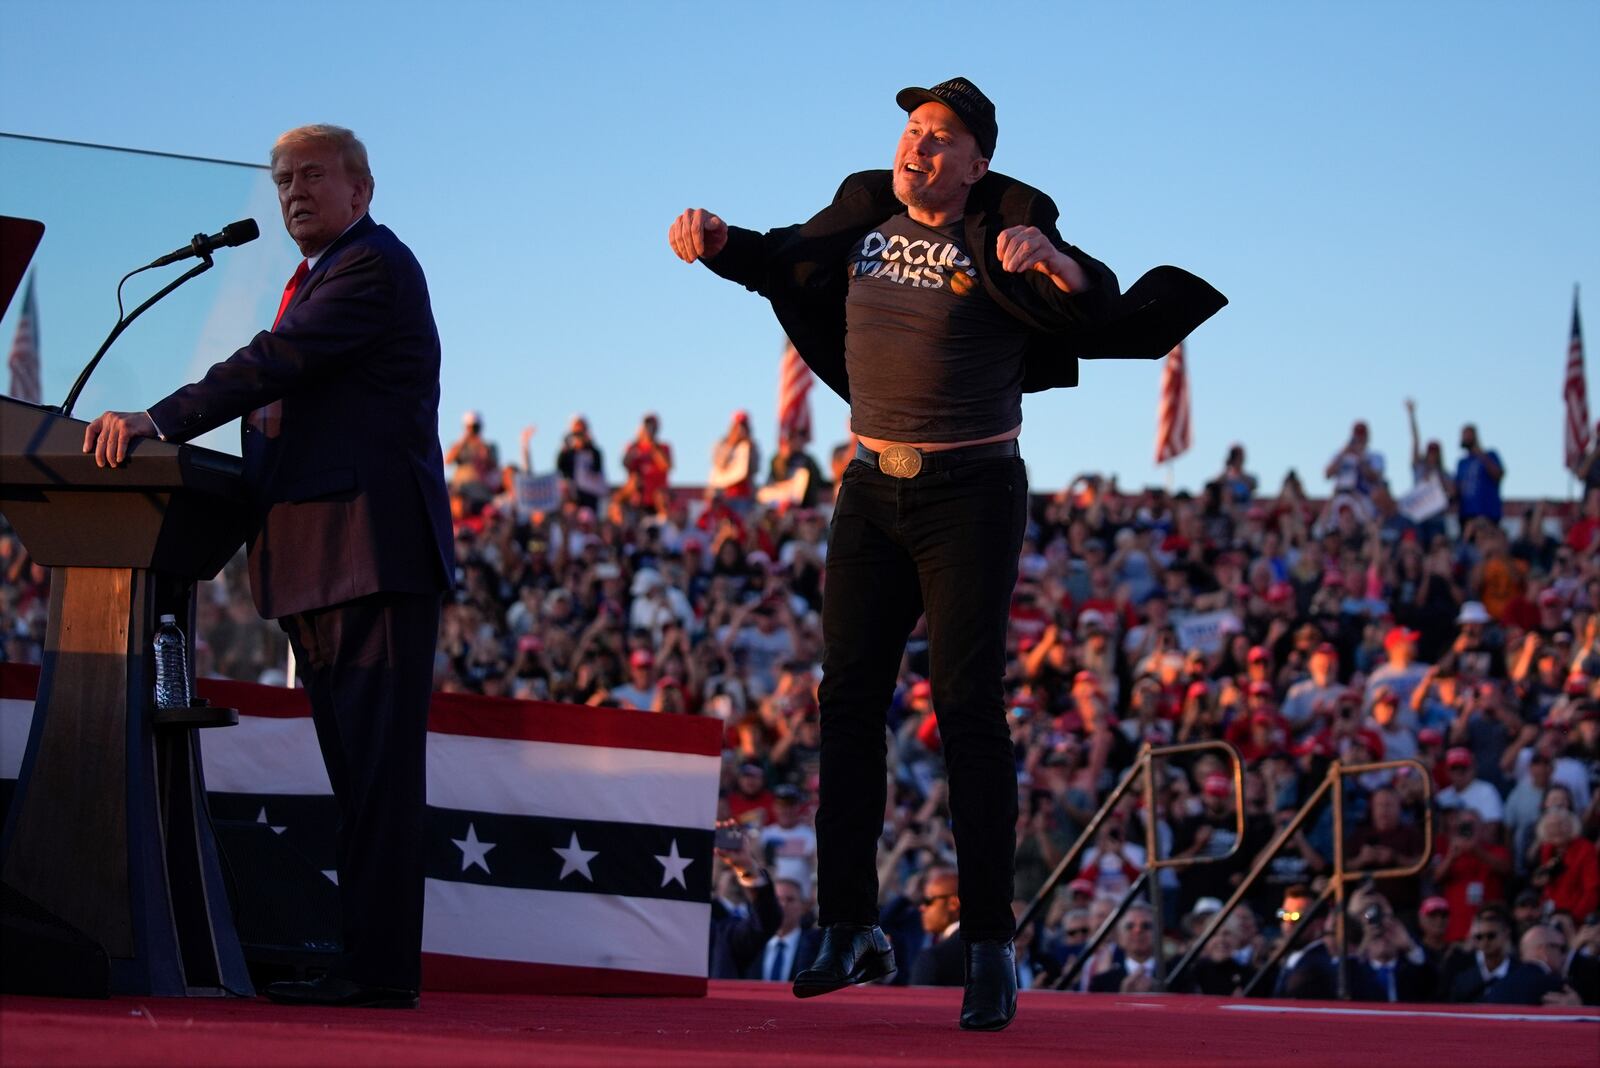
(697, 234)
(109, 435)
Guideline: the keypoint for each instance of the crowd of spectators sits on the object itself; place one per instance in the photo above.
(1426, 621)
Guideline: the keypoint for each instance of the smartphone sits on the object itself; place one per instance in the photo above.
(729, 839)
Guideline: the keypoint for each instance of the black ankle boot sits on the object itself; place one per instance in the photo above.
(849, 954)
(991, 998)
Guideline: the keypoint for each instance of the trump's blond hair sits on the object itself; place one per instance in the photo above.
(351, 151)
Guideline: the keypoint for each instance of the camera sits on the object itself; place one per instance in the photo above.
(1374, 916)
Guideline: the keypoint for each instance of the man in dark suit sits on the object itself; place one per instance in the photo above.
(940, 963)
(352, 546)
(1491, 960)
(793, 946)
(1539, 978)
(1388, 965)
(739, 932)
(931, 297)
(1136, 937)
(1309, 969)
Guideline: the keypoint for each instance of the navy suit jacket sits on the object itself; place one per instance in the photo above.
(349, 494)
(1412, 982)
(1315, 976)
(805, 954)
(736, 940)
(941, 963)
(1525, 984)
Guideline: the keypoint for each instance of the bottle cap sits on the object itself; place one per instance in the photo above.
(169, 618)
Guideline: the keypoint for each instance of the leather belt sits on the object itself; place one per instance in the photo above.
(903, 461)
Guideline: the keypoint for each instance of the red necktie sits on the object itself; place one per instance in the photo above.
(267, 417)
(299, 276)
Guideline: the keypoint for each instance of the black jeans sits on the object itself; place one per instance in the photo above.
(368, 671)
(945, 544)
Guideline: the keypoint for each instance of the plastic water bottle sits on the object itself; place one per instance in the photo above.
(172, 667)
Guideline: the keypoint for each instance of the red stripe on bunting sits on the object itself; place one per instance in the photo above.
(441, 971)
(466, 714)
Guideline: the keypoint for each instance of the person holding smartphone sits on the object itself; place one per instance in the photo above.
(744, 911)
(1469, 870)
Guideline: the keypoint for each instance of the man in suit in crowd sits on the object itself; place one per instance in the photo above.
(351, 547)
(1388, 965)
(1491, 960)
(941, 961)
(1136, 936)
(1309, 969)
(1539, 978)
(793, 946)
(740, 929)
(931, 297)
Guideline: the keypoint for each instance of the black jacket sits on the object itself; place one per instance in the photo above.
(802, 270)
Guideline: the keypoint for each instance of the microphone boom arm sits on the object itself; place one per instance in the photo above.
(198, 269)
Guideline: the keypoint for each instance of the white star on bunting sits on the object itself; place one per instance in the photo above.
(575, 858)
(262, 819)
(473, 851)
(672, 866)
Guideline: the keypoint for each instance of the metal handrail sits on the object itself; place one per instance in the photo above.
(1154, 862)
(1332, 782)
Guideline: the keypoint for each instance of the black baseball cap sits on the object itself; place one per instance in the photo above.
(975, 110)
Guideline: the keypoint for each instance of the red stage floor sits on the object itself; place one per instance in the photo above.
(745, 1024)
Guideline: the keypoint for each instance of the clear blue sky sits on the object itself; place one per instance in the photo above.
(1397, 198)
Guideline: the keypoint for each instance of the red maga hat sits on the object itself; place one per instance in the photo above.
(1397, 635)
(1372, 742)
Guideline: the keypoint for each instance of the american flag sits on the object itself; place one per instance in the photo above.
(24, 360)
(1172, 414)
(1576, 395)
(794, 396)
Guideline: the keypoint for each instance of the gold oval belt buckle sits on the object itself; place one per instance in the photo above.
(900, 461)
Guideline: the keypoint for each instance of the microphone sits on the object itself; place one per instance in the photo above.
(203, 245)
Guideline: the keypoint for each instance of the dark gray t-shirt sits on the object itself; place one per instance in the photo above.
(930, 356)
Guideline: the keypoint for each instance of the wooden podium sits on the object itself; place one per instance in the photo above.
(109, 830)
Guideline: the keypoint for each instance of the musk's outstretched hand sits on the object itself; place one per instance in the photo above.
(1026, 248)
(697, 234)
